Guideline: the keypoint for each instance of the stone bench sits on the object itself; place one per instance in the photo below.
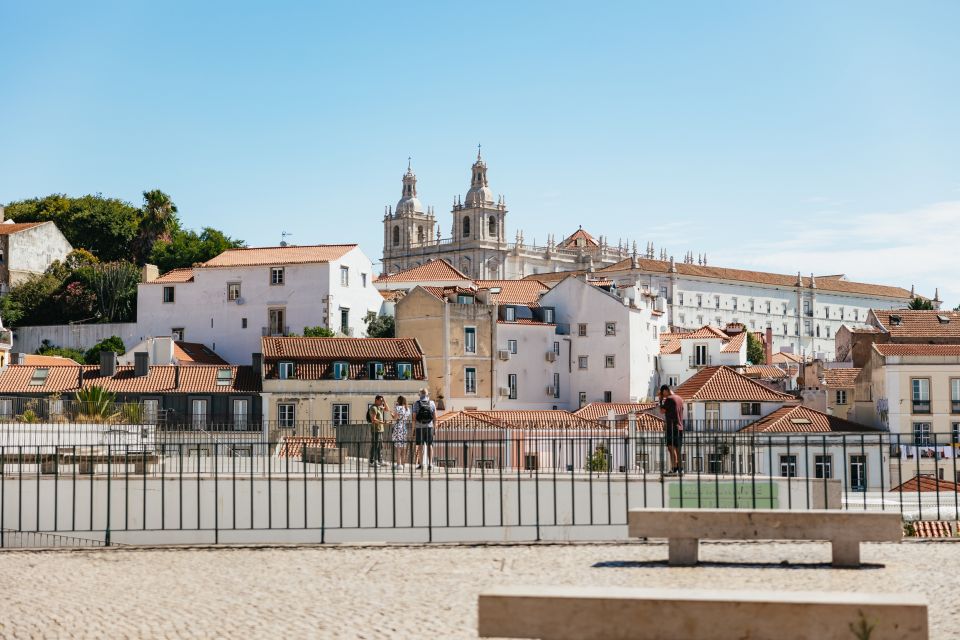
(617, 613)
(845, 530)
(323, 455)
(46, 461)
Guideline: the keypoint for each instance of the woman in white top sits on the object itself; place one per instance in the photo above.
(402, 414)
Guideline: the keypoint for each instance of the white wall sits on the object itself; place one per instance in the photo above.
(76, 336)
(33, 250)
(534, 372)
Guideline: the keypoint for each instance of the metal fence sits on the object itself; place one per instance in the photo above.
(532, 483)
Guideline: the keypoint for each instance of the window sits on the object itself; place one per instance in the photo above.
(699, 321)
(856, 314)
(168, 294)
(955, 433)
(285, 370)
(582, 362)
(464, 299)
(556, 348)
(276, 276)
(151, 410)
(548, 316)
(510, 314)
(241, 413)
(470, 380)
(177, 333)
(582, 330)
(512, 385)
(286, 415)
(954, 395)
(700, 357)
(807, 328)
(404, 371)
(470, 340)
(375, 370)
(719, 321)
(680, 298)
(699, 300)
(344, 276)
(610, 329)
(492, 227)
(858, 473)
(512, 346)
(198, 412)
(823, 466)
(749, 408)
(341, 414)
(734, 304)
(233, 290)
(363, 280)
(768, 306)
(39, 377)
(788, 466)
(243, 323)
(673, 381)
(341, 370)
(753, 305)
(582, 398)
(806, 308)
(556, 385)
(921, 434)
(466, 227)
(818, 330)
(921, 395)
(345, 321)
(841, 396)
(608, 396)
(785, 328)
(716, 300)
(276, 318)
(396, 235)
(826, 311)
(609, 362)
(224, 377)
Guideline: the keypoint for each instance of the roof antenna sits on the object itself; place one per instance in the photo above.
(283, 238)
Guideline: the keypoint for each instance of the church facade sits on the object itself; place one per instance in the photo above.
(477, 244)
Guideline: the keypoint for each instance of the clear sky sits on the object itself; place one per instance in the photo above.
(814, 136)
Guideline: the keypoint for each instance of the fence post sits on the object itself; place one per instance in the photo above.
(106, 539)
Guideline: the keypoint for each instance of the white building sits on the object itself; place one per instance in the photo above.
(232, 300)
(28, 248)
(683, 354)
(720, 399)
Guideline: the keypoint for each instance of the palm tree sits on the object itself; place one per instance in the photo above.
(158, 221)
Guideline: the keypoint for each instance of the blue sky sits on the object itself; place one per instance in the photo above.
(815, 136)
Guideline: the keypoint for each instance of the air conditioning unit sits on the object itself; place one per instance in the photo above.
(551, 391)
(504, 391)
(503, 354)
(551, 356)
(240, 300)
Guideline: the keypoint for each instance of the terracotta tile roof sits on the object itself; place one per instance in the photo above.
(760, 277)
(781, 357)
(936, 528)
(441, 293)
(431, 271)
(518, 418)
(670, 343)
(394, 295)
(195, 353)
(723, 384)
(918, 324)
(705, 332)
(601, 410)
(314, 357)
(528, 321)
(926, 483)
(918, 349)
(174, 275)
(37, 360)
(800, 419)
(579, 234)
(16, 227)
(840, 378)
(735, 344)
(159, 379)
(262, 256)
(601, 283)
(292, 446)
(765, 371)
(525, 292)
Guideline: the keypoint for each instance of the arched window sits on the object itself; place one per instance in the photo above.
(465, 266)
(493, 226)
(420, 234)
(466, 227)
(396, 235)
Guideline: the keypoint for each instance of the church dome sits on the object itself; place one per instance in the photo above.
(409, 204)
(478, 196)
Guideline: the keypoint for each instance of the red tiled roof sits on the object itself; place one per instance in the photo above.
(527, 321)
(919, 324)
(159, 379)
(518, 418)
(174, 275)
(195, 353)
(579, 234)
(936, 528)
(800, 419)
(525, 292)
(441, 293)
(430, 271)
(601, 410)
(262, 256)
(37, 360)
(735, 344)
(670, 343)
(760, 277)
(840, 378)
(292, 446)
(782, 357)
(764, 371)
(705, 332)
(16, 227)
(917, 349)
(926, 483)
(380, 349)
(723, 384)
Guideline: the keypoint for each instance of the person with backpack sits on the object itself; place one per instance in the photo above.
(424, 413)
(377, 417)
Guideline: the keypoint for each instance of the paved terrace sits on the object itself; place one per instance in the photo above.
(407, 592)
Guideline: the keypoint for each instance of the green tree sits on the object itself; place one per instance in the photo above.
(115, 286)
(380, 326)
(47, 349)
(32, 301)
(920, 304)
(317, 332)
(185, 248)
(755, 351)
(157, 222)
(113, 343)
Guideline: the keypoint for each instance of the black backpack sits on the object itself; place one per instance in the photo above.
(424, 412)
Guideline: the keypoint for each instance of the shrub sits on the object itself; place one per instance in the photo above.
(96, 403)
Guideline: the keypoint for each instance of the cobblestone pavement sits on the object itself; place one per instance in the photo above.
(404, 591)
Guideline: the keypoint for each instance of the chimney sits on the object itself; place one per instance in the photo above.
(141, 363)
(176, 376)
(1, 213)
(149, 273)
(257, 362)
(768, 346)
(18, 357)
(108, 364)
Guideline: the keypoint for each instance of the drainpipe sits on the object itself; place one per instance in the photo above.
(493, 360)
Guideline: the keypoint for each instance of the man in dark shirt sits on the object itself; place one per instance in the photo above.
(671, 406)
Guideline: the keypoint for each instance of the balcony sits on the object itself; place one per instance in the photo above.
(921, 406)
(275, 331)
(955, 406)
(700, 362)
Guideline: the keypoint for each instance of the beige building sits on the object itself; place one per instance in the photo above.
(311, 384)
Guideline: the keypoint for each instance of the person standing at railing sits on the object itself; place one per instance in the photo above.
(377, 416)
(424, 413)
(401, 414)
(671, 406)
